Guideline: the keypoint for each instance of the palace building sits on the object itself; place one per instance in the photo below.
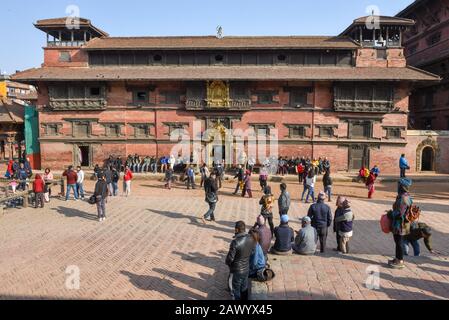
(345, 97)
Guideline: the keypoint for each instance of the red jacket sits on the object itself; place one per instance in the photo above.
(38, 184)
(128, 176)
(72, 177)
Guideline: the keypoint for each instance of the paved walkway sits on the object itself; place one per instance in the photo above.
(153, 247)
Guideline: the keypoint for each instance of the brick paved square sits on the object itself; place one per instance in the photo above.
(152, 246)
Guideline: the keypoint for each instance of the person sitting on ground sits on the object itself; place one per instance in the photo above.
(321, 216)
(418, 231)
(306, 240)
(264, 234)
(284, 237)
(284, 200)
(344, 221)
(237, 259)
(257, 261)
(38, 189)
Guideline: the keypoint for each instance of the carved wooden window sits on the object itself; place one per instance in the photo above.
(262, 129)
(298, 97)
(171, 97)
(196, 91)
(326, 131)
(140, 97)
(64, 56)
(51, 129)
(360, 129)
(265, 97)
(142, 130)
(393, 133)
(296, 131)
(81, 129)
(176, 128)
(94, 92)
(239, 91)
(112, 129)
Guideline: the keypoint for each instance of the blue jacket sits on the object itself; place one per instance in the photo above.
(403, 163)
(321, 215)
(284, 238)
(256, 261)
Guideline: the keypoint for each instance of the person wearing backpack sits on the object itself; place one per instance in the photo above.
(266, 202)
(115, 180)
(400, 225)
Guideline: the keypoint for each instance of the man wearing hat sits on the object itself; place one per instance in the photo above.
(307, 238)
(265, 235)
(400, 225)
(284, 237)
(321, 217)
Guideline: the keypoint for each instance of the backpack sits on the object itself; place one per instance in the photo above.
(268, 202)
(385, 223)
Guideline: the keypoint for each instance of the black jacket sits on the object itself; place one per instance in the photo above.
(327, 180)
(321, 215)
(210, 185)
(101, 189)
(240, 174)
(240, 252)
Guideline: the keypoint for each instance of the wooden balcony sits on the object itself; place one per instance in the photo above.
(363, 106)
(78, 104)
(204, 104)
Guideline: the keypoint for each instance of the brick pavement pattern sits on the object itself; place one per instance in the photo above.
(153, 246)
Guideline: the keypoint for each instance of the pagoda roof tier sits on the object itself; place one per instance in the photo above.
(263, 73)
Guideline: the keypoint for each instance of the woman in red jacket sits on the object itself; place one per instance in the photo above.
(127, 181)
(38, 189)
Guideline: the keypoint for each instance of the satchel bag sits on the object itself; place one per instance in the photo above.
(211, 197)
(92, 200)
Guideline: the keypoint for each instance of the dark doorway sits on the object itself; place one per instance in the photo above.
(84, 156)
(427, 159)
(218, 153)
(358, 157)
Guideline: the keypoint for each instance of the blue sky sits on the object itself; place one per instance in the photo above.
(21, 45)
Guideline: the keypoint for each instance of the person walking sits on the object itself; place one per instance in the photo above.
(211, 189)
(48, 179)
(190, 173)
(266, 203)
(108, 177)
(38, 189)
(240, 175)
(263, 178)
(219, 173)
(72, 178)
(321, 216)
(370, 184)
(403, 166)
(205, 173)
(127, 178)
(168, 178)
(80, 182)
(327, 183)
(310, 181)
(284, 200)
(344, 220)
(101, 193)
(400, 224)
(238, 259)
(306, 240)
(115, 179)
(247, 189)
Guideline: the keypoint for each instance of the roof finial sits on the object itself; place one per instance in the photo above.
(219, 32)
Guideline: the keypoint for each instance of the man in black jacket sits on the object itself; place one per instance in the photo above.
(239, 176)
(101, 194)
(238, 261)
(321, 216)
(210, 188)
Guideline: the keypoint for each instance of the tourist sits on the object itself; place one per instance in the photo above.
(403, 165)
(265, 235)
(257, 261)
(210, 189)
(101, 194)
(238, 259)
(284, 236)
(108, 177)
(344, 219)
(310, 181)
(400, 225)
(115, 179)
(247, 189)
(418, 231)
(48, 179)
(327, 183)
(80, 182)
(266, 202)
(300, 172)
(321, 216)
(306, 240)
(38, 189)
(205, 173)
(240, 177)
(168, 178)
(22, 176)
(127, 178)
(370, 184)
(190, 178)
(263, 178)
(72, 178)
(284, 200)
(338, 212)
